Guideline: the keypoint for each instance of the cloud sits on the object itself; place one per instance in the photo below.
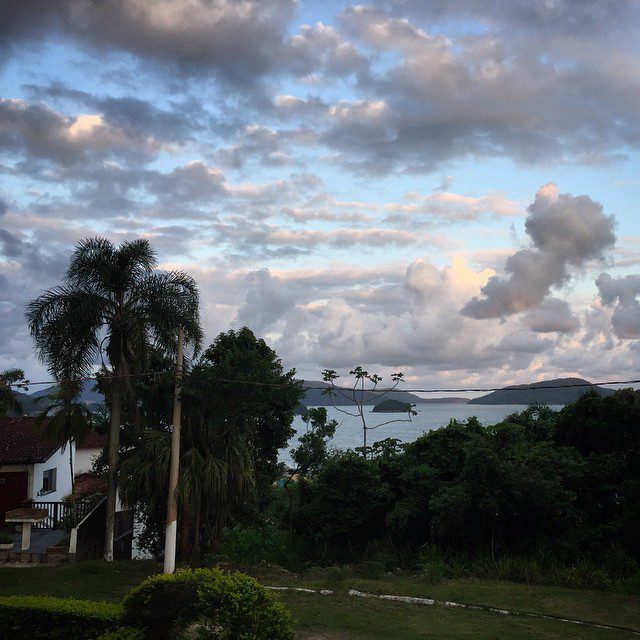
(39, 132)
(622, 295)
(267, 146)
(566, 231)
(552, 316)
(322, 48)
(453, 207)
(267, 300)
(485, 95)
(410, 98)
(559, 16)
(239, 40)
(127, 112)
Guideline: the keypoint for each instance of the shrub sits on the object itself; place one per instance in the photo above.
(230, 606)
(371, 569)
(49, 618)
(434, 571)
(5, 538)
(123, 633)
(329, 577)
(432, 565)
(246, 547)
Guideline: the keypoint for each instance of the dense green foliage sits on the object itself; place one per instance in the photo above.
(554, 489)
(123, 633)
(56, 618)
(8, 379)
(230, 606)
(231, 433)
(114, 306)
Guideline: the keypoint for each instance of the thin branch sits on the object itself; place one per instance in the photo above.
(382, 424)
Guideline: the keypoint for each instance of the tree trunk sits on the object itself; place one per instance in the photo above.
(71, 443)
(171, 530)
(114, 449)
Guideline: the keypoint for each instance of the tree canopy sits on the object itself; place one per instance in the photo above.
(231, 433)
(114, 304)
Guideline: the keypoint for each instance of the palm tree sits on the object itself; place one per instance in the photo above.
(65, 420)
(216, 470)
(8, 379)
(115, 303)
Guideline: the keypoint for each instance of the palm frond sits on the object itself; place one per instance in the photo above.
(64, 323)
(171, 299)
(92, 265)
(135, 260)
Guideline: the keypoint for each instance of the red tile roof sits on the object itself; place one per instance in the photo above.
(87, 484)
(21, 442)
(93, 440)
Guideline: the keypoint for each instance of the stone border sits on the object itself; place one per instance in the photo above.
(447, 603)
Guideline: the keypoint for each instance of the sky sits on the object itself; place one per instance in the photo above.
(447, 189)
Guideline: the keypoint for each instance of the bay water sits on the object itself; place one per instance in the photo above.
(430, 416)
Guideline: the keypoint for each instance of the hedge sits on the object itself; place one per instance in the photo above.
(124, 633)
(231, 606)
(48, 618)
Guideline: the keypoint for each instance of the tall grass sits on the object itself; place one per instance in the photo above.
(616, 570)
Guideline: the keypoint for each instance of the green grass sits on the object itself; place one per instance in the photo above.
(349, 618)
(582, 604)
(94, 580)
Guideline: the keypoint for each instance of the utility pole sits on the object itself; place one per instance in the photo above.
(172, 501)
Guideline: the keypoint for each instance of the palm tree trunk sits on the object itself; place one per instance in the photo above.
(71, 443)
(114, 447)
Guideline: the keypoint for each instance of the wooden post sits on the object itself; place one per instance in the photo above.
(172, 502)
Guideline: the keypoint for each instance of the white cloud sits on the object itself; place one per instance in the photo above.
(566, 231)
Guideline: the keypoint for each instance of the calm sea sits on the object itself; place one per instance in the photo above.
(430, 416)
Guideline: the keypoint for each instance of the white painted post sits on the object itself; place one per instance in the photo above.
(26, 536)
(172, 502)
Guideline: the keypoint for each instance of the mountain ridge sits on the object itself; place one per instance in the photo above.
(556, 391)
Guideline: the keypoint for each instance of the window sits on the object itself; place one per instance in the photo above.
(48, 481)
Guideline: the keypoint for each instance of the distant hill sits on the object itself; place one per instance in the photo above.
(563, 393)
(315, 397)
(34, 402)
(454, 400)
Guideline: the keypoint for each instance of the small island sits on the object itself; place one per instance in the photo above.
(391, 406)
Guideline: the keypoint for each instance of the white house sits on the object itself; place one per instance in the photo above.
(30, 467)
(33, 469)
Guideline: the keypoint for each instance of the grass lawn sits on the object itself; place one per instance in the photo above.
(341, 617)
(594, 606)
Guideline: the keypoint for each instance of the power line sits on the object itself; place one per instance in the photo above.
(329, 388)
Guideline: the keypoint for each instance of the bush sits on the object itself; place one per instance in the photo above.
(5, 538)
(49, 618)
(432, 565)
(370, 569)
(247, 547)
(331, 577)
(232, 606)
(123, 633)
(434, 571)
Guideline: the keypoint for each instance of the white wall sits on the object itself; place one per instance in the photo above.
(60, 461)
(84, 460)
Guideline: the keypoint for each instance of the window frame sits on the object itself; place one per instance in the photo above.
(49, 481)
